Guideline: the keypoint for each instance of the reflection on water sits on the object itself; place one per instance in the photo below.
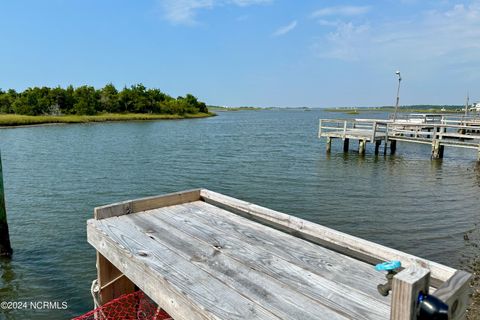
(56, 175)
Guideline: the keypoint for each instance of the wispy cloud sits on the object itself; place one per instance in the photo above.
(285, 29)
(244, 3)
(451, 36)
(341, 11)
(185, 11)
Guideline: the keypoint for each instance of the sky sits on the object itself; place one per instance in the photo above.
(267, 53)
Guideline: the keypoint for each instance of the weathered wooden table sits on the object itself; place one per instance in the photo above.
(202, 255)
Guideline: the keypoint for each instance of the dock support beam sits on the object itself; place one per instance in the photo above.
(329, 144)
(361, 147)
(5, 246)
(437, 150)
(377, 146)
(345, 145)
(393, 146)
(406, 287)
(111, 281)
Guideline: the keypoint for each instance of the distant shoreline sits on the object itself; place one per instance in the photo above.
(216, 108)
(14, 120)
(433, 109)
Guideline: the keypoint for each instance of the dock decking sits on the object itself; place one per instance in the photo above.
(202, 255)
(431, 131)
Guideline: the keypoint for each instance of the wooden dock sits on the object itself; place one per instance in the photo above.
(437, 132)
(203, 255)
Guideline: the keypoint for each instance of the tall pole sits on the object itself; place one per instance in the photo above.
(466, 105)
(5, 247)
(398, 95)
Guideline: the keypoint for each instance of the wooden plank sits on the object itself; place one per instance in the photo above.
(111, 284)
(332, 293)
(148, 203)
(177, 285)
(406, 286)
(456, 293)
(266, 291)
(329, 238)
(309, 256)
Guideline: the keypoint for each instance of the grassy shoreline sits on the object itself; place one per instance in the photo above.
(13, 120)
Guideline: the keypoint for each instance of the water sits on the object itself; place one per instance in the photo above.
(55, 176)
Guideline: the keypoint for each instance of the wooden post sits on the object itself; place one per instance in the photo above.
(329, 144)
(5, 246)
(345, 144)
(361, 147)
(377, 146)
(111, 281)
(437, 150)
(374, 131)
(406, 287)
(441, 149)
(393, 146)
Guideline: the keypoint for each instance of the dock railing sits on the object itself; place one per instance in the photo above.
(450, 134)
(418, 118)
(344, 128)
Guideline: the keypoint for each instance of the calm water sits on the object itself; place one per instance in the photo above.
(55, 175)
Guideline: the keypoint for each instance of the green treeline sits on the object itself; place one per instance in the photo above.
(87, 100)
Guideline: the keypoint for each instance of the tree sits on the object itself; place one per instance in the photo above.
(142, 103)
(125, 99)
(6, 101)
(86, 100)
(109, 101)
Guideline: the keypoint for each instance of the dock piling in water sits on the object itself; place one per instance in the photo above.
(346, 143)
(5, 246)
(377, 146)
(329, 144)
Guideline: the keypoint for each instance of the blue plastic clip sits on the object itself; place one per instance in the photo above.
(388, 266)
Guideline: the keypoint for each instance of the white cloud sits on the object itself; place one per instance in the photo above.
(285, 29)
(343, 43)
(341, 11)
(437, 39)
(244, 3)
(185, 11)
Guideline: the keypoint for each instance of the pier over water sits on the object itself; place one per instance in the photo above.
(436, 130)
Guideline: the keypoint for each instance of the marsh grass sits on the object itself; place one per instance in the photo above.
(22, 120)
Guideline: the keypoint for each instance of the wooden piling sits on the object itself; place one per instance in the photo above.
(361, 146)
(345, 144)
(329, 144)
(5, 246)
(377, 146)
(393, 146)
(437, 150)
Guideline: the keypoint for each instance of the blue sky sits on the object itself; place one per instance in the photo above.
(249, 52)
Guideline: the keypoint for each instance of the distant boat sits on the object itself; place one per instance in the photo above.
(475, 107)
